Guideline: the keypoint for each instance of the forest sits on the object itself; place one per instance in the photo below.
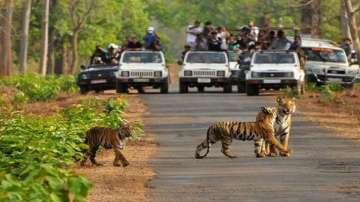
(56, 36)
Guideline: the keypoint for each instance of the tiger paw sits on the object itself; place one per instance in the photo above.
(125, 164)
(260, 155)
(286, 154)
(272, 155)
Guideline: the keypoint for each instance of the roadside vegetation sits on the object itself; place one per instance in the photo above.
(37, 153)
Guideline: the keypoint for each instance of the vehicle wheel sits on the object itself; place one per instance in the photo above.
(84, 90)
(140, 90)
(98, 91)
(227, 88)
(252, 90)
(201, 89)
(164, 88)
(183, 88)
(241, 87)
(121, 88)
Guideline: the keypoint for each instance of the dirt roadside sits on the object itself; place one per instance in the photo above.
(341, 115)
(109, 183)
(124, 184)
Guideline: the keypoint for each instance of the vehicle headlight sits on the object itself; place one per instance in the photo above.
(187, 73)
(289, 74)
(220, 73)
(125, 73)
(84, 76)
(255, 74)
(158, 73)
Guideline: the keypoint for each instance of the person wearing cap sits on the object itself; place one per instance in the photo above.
(150, 38)
(114, 54)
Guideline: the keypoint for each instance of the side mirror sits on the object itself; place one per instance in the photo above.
(82, 67)
(179, 62)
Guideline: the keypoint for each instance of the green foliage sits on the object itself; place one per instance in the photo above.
(290, 92)
(34, 87)
(36, 152)
(327, 95)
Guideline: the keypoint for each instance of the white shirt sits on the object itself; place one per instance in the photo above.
(191, 34)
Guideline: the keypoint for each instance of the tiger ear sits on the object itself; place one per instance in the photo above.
(264, 109)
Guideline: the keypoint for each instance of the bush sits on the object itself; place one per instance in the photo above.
(36, 152)
(39, 88)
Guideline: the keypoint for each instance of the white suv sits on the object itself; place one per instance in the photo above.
(205, 69)
(142, 68)
(274, 70)
(327, 63)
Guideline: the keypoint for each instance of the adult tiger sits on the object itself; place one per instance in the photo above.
(286, 107)
(108, 138)
(225, 132)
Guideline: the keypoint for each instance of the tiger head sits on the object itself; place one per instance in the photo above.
(266, 114)
(286, 106)
(125, 130)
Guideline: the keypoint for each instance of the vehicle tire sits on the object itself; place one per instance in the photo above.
(99, 91)
(252, 90)
(84, 90)
(183, 87)
(121, 88)
(241, 87)
(227, 88)
(164, 88)
(201, 89)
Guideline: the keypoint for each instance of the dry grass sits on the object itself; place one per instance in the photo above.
(342, 115)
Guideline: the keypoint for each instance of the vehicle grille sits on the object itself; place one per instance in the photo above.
(101, 74)
(275, 74)
(204, 73)
(142, 74)
(332, 71)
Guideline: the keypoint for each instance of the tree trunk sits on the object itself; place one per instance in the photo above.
(344, 21)
(353, 27)
(5, 41)
(311, 17)
(306, 17)
(24, 42)
(74, 51)
(316, 18)
(44, 38)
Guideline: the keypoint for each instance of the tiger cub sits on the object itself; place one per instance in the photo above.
(108, 138)
(285, 108)
(225, 132)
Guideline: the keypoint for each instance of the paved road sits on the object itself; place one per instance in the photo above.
(322, 168)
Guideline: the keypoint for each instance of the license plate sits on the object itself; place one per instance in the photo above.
(141, 80)
(272, 81)
(335, 79)
(98, 81)
(204, 80)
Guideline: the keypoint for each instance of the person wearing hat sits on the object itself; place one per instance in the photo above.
(150, 38)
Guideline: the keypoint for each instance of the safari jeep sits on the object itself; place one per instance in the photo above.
(139, 69)
(274, 70)
(327, 63)
(205, 69)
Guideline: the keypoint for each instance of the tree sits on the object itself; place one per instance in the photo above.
(5, 39)
(351, 13)
(311, 17)
(79, 11)
(24, 41)
(44, 38)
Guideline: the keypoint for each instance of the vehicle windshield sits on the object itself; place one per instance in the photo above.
(325, 55)
(233, 56)
(142, 57)
(214, 58)
(274, 58)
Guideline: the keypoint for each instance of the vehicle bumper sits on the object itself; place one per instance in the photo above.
(273, 85)
(142, 82)
(109, 84)
(221, 81)
(324, 79)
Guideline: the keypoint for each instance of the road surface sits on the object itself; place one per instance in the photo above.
(323, 166)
